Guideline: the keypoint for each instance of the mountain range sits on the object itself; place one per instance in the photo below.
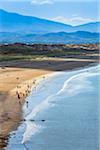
(19, 28)
(49, 38)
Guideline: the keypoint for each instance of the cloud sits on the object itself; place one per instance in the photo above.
(74, 20)
(42, 2)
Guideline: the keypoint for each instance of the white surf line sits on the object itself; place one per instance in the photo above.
(81, 75)
(31, 129)
(83, 72)
(38, 81)
(46, 103)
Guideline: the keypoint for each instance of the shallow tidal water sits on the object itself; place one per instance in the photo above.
(62, 113)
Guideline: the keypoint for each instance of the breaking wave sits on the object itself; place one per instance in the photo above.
(79, 82)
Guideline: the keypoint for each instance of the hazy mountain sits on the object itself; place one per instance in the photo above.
(18, 28)
(90, 27)
(13, 22)
(60, 37)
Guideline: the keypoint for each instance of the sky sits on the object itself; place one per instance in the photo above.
(73, 12)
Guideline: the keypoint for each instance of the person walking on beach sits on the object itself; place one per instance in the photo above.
(27, 104)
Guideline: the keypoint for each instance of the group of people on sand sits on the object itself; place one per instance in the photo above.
(26, 93)
(23, 94)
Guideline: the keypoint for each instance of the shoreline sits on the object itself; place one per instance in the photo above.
(11, 113)
(10, 104)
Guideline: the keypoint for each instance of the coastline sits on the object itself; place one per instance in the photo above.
(10, 104)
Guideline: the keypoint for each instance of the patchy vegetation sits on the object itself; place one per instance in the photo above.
(19, 51)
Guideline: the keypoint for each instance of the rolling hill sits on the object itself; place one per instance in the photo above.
(49, 38)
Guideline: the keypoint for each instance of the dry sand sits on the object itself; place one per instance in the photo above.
(15, 85)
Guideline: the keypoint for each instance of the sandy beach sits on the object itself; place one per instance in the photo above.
(16, 81)
(49, 69)
(15, 85)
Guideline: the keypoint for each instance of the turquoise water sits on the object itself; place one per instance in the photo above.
(62, 113)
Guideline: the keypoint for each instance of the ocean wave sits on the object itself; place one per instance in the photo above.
(31, 129)
(79, 82)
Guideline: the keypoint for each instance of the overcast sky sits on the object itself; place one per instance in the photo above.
(72, 12)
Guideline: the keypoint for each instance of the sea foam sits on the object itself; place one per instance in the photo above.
(75, 84)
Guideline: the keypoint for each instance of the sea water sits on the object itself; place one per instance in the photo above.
(62, 113)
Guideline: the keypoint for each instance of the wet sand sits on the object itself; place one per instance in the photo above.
(16, 80)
